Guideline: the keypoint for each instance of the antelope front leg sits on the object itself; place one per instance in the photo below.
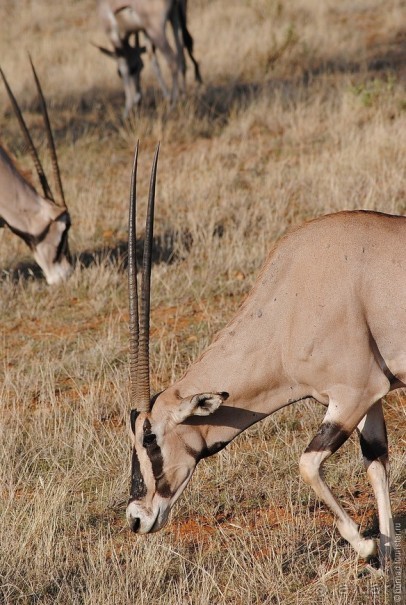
(151, 50)
(161, 43)
(181, 62)
(330, 437)
(374, 446)
(157, 70)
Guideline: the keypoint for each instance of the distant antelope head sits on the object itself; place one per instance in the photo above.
(121, 20)
(325, 319)
(129, 67)
(41, 221)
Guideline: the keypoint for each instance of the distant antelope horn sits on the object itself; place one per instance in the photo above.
(31, 147)
(50, 138)
(140, 320)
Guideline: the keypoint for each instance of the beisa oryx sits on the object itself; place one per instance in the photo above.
(41, 221)
(325, 319)
(121, 19)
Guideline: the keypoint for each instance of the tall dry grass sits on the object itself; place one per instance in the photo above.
(302, 113)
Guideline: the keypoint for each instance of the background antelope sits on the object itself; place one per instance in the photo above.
(121, 19)
(326, 319)
(38, 219)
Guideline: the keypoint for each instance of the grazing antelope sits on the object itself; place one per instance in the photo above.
(325, 319)
(38, 219)
(122, 18)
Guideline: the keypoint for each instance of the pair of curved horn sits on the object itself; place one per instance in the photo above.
(140, 311)
(51, 144)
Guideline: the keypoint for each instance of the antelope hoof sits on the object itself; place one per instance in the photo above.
(386, 553)
(367, 549)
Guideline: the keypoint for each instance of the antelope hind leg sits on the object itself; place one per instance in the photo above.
(330, 436)
(374, 446)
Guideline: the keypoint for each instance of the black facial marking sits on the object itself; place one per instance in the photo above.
(62, 248)
(155, 455)
(147, 427)
(149, 440)
(153, 399)
(374, 449)
(63, 244)
(212, 449)
(136, 68)
(138, 487)
(32, 241)
(192, 452)
(330, 437)
(133, 417)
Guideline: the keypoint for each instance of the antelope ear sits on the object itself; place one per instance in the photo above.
(202, 404)
(106, 51)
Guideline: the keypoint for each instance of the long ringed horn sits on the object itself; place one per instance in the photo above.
(31, 147)
(132, 282)
(139, 321)
(144, 392)
(50, 138)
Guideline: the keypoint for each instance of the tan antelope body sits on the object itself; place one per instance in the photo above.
(326, 319)
(37, 219)
(122, 18)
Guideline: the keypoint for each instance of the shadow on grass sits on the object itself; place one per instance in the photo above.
(163, 251)
(75, 116)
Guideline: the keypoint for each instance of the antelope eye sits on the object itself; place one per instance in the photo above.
(149, 439)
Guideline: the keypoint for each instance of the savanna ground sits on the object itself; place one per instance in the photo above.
(302, 112)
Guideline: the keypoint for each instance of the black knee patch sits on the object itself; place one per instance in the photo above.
(330, 437)
(373, 449)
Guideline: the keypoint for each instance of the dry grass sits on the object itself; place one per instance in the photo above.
(302, 112)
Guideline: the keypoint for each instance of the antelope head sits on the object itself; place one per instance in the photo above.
(49, 220)
(167, 444)
(128, 57)
(129, 67)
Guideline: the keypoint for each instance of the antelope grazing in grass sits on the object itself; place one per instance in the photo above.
(121, 19)
(38, 219)
(325, 319)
